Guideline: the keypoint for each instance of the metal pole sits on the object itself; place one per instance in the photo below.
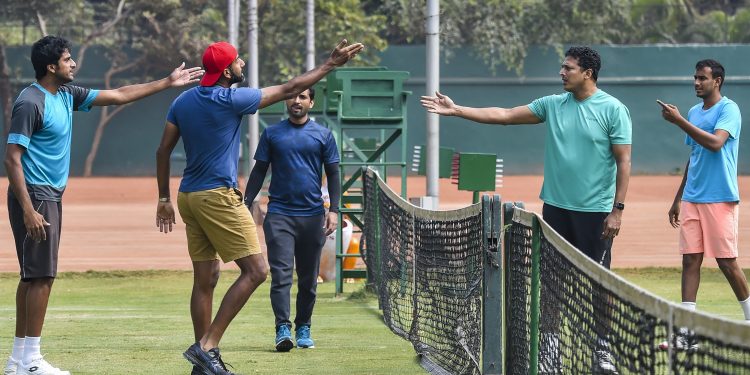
(252, 73)
(310, 33)
(432, 32)
(233, 21)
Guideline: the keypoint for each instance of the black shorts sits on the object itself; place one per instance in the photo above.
(36, 259)
(583, 230)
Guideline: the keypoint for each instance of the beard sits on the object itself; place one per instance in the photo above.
(237, 78)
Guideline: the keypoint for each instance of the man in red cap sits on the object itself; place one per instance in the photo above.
(217, 223)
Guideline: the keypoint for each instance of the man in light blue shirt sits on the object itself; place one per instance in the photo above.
(586, 173)
(706, 206)
(37, 160)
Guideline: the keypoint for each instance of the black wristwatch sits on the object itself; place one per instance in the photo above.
(619, 205)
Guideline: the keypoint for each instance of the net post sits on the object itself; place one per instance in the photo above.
(492, 291)
(536, 234)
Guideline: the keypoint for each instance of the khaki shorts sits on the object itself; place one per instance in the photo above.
(709, 228)
(217, 223)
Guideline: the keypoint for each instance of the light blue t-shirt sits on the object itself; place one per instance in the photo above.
(579, 168)
(712, 176)
(209, 120)
(42, 123)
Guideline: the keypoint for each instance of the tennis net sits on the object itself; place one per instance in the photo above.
(428, 274)
(566, 314)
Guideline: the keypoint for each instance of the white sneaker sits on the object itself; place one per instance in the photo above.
(604, 363)
(550, 361)
(685, 340)
(39, 367)
(10, 367)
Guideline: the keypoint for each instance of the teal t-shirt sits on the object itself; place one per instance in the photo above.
(712, 176)
(579, 167)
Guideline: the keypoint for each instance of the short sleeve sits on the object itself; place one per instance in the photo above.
(730, 119)
(331, 152)
(246, 100)
(539, 107)
(26, 119)
(83, 98)
(171, 116)
(263, 152)
(621, 130)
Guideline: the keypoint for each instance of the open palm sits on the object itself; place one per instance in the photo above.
(181, 76)
(440, 104)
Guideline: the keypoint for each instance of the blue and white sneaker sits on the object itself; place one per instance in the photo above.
(209, 362)
(283, 338)
(303, 337)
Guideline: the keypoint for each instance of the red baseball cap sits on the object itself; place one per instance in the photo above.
(217, 57)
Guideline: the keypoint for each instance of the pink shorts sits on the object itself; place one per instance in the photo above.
(709, 228)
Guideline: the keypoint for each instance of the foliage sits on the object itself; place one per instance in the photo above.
(281, 41)
(500, 31)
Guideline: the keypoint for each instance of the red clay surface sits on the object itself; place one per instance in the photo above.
(109, 223)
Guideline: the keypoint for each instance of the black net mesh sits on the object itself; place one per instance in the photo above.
(428, 274)
(592, 322)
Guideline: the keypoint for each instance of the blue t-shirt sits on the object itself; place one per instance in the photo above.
(712, 176)
(296, 154)
(42, 123)
(209, 120)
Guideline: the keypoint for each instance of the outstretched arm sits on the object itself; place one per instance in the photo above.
(340, 56)
(126, 94)
(444, 105)
(165, 216)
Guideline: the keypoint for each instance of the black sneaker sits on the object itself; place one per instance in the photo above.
(197, 371)
(209, 362)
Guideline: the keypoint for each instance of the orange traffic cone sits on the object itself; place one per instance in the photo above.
(350, 262)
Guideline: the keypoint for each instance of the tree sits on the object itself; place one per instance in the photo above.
(501, 31)
(281, 42)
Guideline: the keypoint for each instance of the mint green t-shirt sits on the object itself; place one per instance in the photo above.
(579, 167)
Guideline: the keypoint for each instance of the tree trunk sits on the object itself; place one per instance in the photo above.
(6, 92)
(104, 120)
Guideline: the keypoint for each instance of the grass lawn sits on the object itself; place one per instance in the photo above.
(715, 296)
(139, 323)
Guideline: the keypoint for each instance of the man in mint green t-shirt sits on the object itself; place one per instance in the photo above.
(586, 170)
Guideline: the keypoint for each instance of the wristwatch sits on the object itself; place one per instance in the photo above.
(164, 199)
(619, 205)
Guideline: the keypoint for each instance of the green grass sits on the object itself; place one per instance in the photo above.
(715, 296)
(139, 323)
(136, 322)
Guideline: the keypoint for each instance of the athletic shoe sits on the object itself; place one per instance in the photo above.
(209, 362)
(10, 367)
(603, 362)
(283, 338)
(303, 337)
(550, 362)
(684, 340)
(39, 367)
(197, 371)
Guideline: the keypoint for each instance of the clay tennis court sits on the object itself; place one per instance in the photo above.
(109, 223)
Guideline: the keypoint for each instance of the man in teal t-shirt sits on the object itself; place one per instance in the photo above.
(586, 173)
(706, 206)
